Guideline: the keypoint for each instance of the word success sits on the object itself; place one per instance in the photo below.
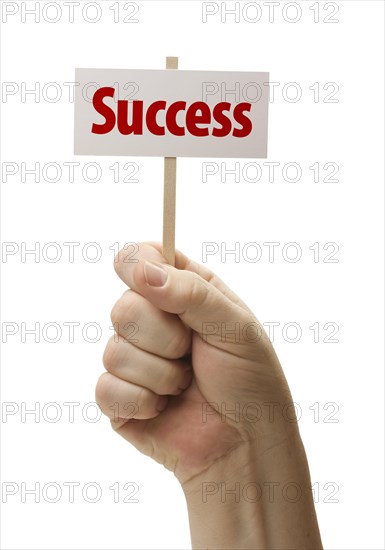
(198, 117)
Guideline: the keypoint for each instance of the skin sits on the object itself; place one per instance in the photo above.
(211, 406)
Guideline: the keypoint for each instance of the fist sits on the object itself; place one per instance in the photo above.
(187, 358)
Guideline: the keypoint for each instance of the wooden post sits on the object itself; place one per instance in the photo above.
(169, 195)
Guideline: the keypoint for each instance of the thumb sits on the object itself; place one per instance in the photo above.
(185, 293)
(199, 304)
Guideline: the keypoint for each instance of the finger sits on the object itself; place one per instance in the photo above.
(161, 376)
(121, 400)
(152, 251)
(149, 328)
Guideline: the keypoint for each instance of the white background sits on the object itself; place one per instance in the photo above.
(348, 374)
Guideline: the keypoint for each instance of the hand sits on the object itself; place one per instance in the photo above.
(188, 389)
(191, 388)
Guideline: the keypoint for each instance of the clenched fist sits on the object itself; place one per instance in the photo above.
(189, 386)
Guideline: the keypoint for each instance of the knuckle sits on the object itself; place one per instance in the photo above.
(172, 387)
(103, 388)
(116, 311)
(118, 262)
(143, 397)
(123, 308)
(110, 355)
(177, 346)
(168, 383)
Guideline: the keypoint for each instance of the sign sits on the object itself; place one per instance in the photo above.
(171, 113)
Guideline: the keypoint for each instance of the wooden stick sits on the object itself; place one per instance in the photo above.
(169, 195)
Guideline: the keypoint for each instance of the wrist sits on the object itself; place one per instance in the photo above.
(219, 515)
(254, 497)
(250, 462)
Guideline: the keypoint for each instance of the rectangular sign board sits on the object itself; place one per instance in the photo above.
(171, 113)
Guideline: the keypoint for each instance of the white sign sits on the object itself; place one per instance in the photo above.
(171, 113)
